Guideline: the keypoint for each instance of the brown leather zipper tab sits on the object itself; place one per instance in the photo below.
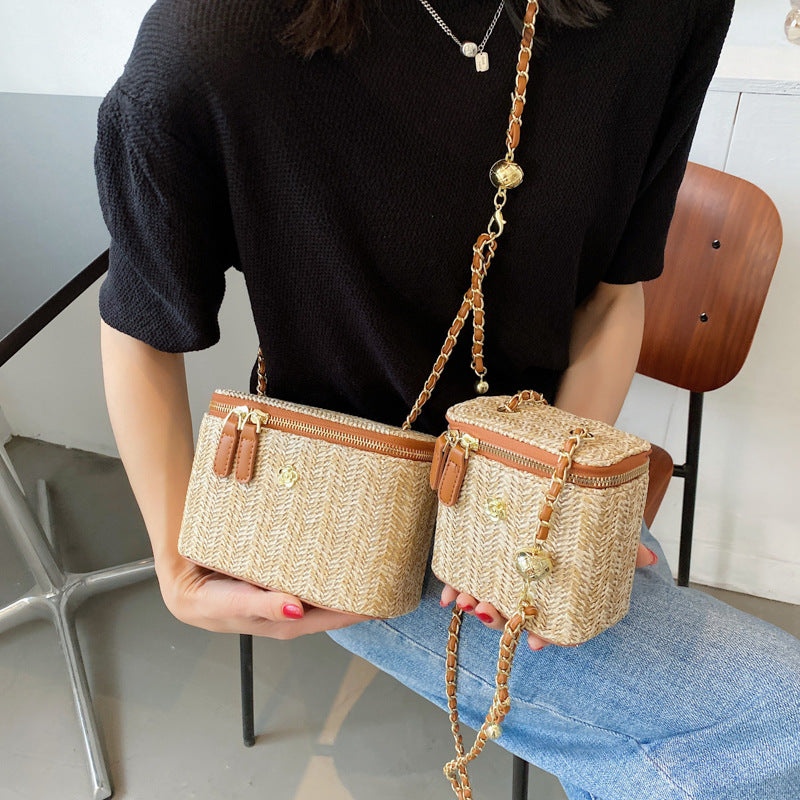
(246, 453)
(226, 449)
(440, 450)
(453, 475)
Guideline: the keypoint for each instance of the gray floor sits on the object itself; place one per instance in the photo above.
(330, 726)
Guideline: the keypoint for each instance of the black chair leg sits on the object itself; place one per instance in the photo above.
(688, 471)
(246, 670)
(519, 779)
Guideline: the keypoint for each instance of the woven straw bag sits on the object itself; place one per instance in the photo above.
(334, 509)
(539, 514)
(513, 495)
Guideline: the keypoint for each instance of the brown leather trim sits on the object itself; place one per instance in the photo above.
(423, 451)
(537, 454)
(246, 453)
(527, 36)
(530, 13)
(439, 460)
(226, 449)
(452, 476)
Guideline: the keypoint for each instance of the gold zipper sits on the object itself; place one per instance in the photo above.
(470, 443)
(303, 428)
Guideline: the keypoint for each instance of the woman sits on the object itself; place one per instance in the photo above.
(336, 153)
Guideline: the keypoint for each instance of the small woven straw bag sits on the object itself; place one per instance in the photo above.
(539, 505)
(539, 515)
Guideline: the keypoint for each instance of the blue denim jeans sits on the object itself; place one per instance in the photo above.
(685, 698)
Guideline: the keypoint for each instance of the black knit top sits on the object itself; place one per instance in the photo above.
(349, 190)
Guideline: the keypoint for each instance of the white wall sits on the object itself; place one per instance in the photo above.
(5, 428)
(746, 524)
(75, 47)
(757, 56)
(52, 389)
(745, 539)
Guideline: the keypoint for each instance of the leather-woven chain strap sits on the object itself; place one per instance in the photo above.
(525, 396)
(532, 565)
(261, 389)
(506, 174)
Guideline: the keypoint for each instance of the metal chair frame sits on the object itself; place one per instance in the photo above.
(56, 596)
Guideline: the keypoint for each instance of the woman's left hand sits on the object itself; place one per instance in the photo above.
(492, 618)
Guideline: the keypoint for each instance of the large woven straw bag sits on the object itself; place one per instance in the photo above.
(334, 509)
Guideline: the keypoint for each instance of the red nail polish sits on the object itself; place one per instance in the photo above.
(466, 608)
(292, 611)
(443, 604)
(484, 617)
(655, 557)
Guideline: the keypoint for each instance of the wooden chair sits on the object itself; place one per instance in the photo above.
(701, 314)
(700, 318)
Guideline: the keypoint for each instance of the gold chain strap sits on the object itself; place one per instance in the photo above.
(532, 565)
(525, 396)
(262, 375)
(506, 174)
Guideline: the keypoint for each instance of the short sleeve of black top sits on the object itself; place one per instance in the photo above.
(349, 191)
(165, 205)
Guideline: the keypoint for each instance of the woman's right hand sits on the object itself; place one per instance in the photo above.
(148, 405)
(207, 599)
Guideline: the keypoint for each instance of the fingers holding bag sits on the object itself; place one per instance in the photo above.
(492, 618)
(212, 601)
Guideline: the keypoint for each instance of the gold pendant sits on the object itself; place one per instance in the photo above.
(506, 174)
(534, 565)
(493, 731)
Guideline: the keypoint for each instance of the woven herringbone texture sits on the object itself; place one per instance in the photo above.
(546, 427)
(353, 533)
(593, 537)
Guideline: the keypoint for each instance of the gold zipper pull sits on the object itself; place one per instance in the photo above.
(259, 418)
(469, 443)
(249, 426)
(238, 442)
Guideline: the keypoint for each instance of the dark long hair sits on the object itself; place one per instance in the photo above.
(337, 24)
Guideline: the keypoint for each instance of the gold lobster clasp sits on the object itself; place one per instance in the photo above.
(497, 220)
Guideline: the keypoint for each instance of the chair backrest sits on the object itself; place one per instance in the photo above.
(701, 313)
